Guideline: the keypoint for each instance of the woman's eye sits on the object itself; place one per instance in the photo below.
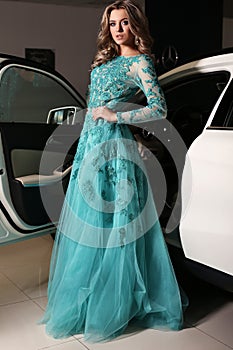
(125, 23)
(112, 24)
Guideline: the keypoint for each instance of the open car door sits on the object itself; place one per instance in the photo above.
(40, 124)
(206, 225)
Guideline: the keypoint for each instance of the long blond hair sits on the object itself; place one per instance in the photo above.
(106, 46)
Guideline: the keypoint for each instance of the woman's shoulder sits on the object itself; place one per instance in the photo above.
(147, 59)
(144, 62)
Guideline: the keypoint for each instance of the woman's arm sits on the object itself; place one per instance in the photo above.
(146, 79)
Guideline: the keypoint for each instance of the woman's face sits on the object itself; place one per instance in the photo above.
(119, 28)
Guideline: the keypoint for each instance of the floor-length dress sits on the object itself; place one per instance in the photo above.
(110, 265)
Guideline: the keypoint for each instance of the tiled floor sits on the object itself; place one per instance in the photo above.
(23, 281)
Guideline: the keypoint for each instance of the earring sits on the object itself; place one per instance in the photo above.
(136, 41)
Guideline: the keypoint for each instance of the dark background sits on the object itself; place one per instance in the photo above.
(191, 28)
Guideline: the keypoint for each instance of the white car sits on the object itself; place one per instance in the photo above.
(199, 96)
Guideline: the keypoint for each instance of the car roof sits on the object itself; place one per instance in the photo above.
(22, 60)
(221, 59)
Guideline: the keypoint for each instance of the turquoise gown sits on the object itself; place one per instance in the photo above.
(110, 267)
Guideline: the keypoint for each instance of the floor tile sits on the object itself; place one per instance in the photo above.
(31, 279)
(220, 324)
(47, 238)
(78, 336)
(24, 269)
(210, 310)
(35, 250)
(73, 345)
(19, 329)
(191, 339)
(9, 293)
(26, 264)
(42, 302)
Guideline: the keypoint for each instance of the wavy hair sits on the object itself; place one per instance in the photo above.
(138, 24)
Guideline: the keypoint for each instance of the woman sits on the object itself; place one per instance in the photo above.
(110, 265)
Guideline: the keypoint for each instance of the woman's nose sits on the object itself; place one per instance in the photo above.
(119, 27)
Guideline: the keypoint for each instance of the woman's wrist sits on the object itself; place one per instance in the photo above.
(114, 117)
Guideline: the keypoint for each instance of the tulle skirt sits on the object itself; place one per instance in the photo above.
(110, 265)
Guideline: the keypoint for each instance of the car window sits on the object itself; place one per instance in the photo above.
(191, 100)
(27, 95)
(224, 114)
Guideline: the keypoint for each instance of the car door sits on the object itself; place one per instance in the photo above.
(206, 227)
(39, 129)
(191, 95)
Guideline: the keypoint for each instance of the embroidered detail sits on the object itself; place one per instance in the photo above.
(110, 174)
(122, 237)
(115, 82)
(89, 190)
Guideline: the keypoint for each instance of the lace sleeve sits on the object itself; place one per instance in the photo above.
(145, 77)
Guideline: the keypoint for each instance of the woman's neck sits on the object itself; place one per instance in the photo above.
(128, 51)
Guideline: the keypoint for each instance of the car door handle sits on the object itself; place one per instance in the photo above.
(37, 180)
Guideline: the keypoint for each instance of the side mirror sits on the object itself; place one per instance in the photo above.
(63, 115)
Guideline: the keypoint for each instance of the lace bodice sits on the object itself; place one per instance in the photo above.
(114, 83)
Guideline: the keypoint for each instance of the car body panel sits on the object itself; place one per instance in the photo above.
(206, 224)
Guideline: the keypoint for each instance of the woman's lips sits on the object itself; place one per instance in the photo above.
(119, 37)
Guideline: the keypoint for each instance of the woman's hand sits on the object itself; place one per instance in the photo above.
(104, 113)
(141, 148)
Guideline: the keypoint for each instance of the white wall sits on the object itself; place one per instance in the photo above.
(70, 31)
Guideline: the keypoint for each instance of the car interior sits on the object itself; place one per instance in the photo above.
(27, 136)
